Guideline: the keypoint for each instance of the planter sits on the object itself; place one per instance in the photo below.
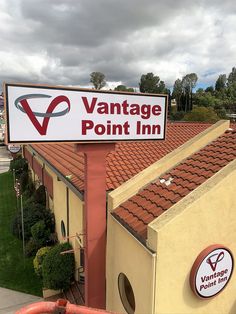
(47, 293)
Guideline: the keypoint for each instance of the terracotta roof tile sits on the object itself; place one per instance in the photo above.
(127, 160)
(159, 196)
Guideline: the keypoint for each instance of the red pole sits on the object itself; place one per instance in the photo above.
(95, 222)
(60, 306)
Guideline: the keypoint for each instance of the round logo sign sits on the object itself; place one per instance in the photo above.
(14, 148)
(211, 271)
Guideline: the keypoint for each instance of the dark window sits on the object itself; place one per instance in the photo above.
(63, 229)
(126, 293)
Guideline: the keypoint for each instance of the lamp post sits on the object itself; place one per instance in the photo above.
(19, 195)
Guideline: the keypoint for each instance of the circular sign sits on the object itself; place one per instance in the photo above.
(211, 271)
(14, 148)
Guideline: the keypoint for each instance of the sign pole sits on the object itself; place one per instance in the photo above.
(95, 222)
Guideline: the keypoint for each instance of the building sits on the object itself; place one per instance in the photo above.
(166, 202)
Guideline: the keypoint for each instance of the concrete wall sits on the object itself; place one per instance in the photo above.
(126, 255)
(206, 216)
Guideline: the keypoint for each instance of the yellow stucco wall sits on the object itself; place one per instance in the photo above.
(59, 207)
(206, 216)
(76, 227)
(75, 215)
(126, 255)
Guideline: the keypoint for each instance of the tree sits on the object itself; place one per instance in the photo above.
(162, 88)
(206, 99)
(177, 92)
(123, 88)
(232, 77)
(98, 80)
(201, 114)
(150, 83)
(210, 89)
(220, 83)
(57, 268)
(188, 82)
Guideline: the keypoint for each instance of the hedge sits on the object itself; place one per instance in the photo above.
(58, 269)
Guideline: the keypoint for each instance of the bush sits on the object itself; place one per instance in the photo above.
(33, 213)
(40, 233)
(19, 164)
(58, 269)
(40, 195)
(31, 247)
(29, 190)
(24, 180)
(201, 114)
(38, 260)
(177, 116)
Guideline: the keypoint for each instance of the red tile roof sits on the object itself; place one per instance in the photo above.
(127, 160)
(137, 212)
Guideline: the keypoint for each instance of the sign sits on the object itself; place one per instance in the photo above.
(55, 114)
(211, 271)
(14, 149)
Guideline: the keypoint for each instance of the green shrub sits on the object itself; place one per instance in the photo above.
(28, 192)
(33, 213)
(24, 180)
(32, 247)
(58, 269)
(19, 164)
(40, 233)
(177, 116)
(38, 260)
(40, 195)
(201, 114)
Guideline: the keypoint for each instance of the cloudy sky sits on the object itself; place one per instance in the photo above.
(62, 42)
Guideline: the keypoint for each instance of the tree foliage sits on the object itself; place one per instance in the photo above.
(123, 88)
(57, 268)
(221, 83)
(183, 92)
(98, 80)
(202, 114)
(177, 92)
(38, 260)
(232, 77)
(150, 83)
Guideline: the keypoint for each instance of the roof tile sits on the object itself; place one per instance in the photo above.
(127, 160)
(159, 196)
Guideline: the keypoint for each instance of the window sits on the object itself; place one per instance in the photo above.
(63, 229)
(126, 293)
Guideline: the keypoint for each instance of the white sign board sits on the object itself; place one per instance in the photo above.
(211, 271)
(55, 114)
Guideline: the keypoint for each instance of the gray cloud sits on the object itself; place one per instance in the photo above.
(62, 42)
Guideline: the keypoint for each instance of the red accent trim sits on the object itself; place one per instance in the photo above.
(38, 169)
(28, 156)
(95, 222)
(48, 182)
(60, 306)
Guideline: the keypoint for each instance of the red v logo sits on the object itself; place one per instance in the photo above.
(42, 128)
(212, 264)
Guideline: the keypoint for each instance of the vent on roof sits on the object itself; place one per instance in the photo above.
(167, 181)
